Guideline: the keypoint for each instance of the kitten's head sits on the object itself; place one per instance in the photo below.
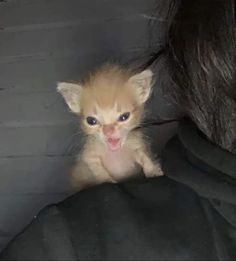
(110, 102)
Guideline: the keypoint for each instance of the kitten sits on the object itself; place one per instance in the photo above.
(111, 105)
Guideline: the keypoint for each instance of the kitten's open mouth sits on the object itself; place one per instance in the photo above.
(114, 144)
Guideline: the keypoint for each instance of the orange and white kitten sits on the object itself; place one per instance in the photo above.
(111, 105)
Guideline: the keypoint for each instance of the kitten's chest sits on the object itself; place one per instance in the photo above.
(119, 163)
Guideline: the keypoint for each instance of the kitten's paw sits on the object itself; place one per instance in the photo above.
(155, 171)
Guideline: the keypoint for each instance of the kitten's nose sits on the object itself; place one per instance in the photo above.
(108, 130)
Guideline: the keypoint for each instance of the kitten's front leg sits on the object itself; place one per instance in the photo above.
(89, 172)
(150, 168)
(99, 172)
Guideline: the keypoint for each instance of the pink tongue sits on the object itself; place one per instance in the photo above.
(113, 143)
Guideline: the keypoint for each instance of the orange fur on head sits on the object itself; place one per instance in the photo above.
(107, 94)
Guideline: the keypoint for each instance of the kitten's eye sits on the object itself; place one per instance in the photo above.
(124, 116)
(91, 120)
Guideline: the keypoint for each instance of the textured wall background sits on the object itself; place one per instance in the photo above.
(42, 42)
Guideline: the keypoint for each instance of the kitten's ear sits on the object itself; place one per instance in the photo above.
(71, 93)
(142, 82)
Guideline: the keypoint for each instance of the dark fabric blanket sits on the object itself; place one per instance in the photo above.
(190, 214)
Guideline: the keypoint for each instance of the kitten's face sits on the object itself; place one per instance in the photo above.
(110, 114)
(110, 103)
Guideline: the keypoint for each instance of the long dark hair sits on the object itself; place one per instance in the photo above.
(200, 54)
